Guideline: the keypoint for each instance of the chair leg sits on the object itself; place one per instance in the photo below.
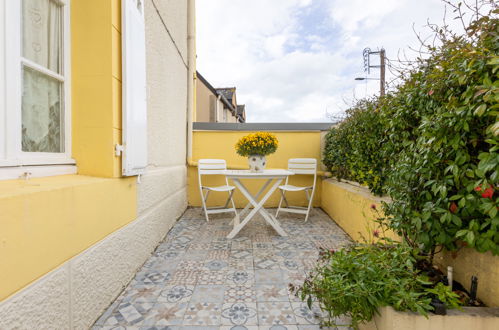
(204, 198)
(310, 200)
(280, 203)
(232, 201)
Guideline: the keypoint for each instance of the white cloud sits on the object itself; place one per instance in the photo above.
(293, 59)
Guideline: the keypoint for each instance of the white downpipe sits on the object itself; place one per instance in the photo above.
(191, 72)
(217, 106)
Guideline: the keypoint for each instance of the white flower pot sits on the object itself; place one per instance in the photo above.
(257, 163)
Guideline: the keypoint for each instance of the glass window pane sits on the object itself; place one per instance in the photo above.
(42, 117)
(42, 33)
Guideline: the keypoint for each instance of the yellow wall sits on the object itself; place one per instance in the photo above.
(46, 221)
(96, 86)
(220, 144)
(468, 262)
(350, 207)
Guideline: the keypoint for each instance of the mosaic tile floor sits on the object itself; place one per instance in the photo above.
(198, 279)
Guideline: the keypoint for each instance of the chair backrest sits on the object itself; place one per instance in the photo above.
(211, 166)
(303, 165)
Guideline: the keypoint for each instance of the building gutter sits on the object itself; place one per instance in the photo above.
(191, 72)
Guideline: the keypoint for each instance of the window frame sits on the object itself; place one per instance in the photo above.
(11, 154)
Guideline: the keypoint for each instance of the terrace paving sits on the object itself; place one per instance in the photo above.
(198, 279)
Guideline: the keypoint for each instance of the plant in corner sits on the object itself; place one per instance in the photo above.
(256, 146)
(356, 281)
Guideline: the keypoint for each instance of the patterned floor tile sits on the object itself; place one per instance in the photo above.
(305, 315)
(176, 294)
(291, 264)
(200, 246)
(207, 277)
(266, 276)
(164, 314)
(278, 327)
(151, 277)
(208, 293)
(275, 313)
(240, 277)
(168, 254)
(308, 264)
(142, 293)
(314, 327)
(215, 265)
(284, 245)
(262, 239)
(159, 264)
(184, 277)
(242, 245)
(266, 263)
(195, 255)
(287, 254)
(117, 327)
(240, 293)
(239, 313)
(241, 264)
(241, 254)
(189, 265)
(218, 254)
(198, 279)
(203, 314)
(129, 314)
(220, 245)
(271, 292)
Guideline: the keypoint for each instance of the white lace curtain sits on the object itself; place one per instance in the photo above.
(42, 94)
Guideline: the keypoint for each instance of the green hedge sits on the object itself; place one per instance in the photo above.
(432, 144)
(353, 148)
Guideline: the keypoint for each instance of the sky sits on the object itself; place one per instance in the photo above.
(296, 60)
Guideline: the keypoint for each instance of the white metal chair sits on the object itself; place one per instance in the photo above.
(214, 167)
(307, 166)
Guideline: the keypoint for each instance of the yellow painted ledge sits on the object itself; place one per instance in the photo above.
(47, 221)
(350, 207)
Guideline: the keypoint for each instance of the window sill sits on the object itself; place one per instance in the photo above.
(27, 172)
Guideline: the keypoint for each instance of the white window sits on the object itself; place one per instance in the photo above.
(34, 47)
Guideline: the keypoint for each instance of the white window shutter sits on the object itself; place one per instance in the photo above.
(134, 159)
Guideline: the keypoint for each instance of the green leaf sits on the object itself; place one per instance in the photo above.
(480, 110)
(470, 237)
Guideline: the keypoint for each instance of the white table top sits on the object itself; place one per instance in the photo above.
(246, 174)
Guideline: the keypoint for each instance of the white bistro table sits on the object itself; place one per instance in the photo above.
(236, 175)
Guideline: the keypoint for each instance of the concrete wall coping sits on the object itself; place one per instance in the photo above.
(358, 189)
(199, 126)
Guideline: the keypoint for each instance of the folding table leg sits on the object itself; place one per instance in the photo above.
(246, 208)
(257, 205)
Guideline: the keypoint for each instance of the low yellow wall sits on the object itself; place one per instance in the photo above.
(468, 262)
(350, 207)
(46, 221)
(220, 144)
(470, 318)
